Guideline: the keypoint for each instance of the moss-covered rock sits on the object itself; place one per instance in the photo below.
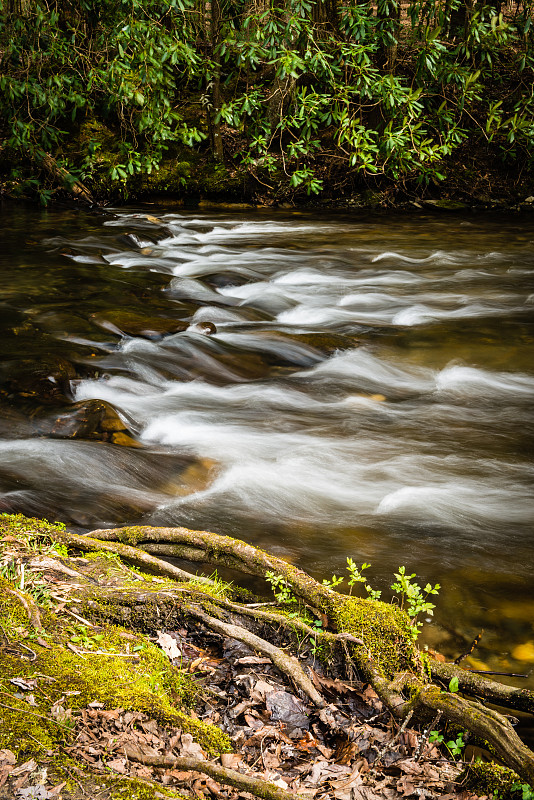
(492, 780)
(385, 631)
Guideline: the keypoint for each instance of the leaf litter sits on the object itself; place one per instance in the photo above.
(350, 750)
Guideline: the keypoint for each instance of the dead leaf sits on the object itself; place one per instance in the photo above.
(231, 760)
(190, 748)
(118, 765)
(354, 779)
(405, 785)
(23, 684)
(261, 690)
(169, 645)
(8, 756)
(28, 766)
(267, 731)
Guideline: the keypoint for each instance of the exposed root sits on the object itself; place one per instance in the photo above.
(483, 722)
(284, 662)
(229, 777)
(291, 626)
(29, 606)
(203, 546)
(88, 544)
(409, 692)
(480, 686)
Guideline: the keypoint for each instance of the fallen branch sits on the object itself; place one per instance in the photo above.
(65, 179)
(264, 789)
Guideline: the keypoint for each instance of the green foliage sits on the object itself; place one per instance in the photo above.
(296, 81)
(83, 638)
(64, 62)
(527, 792)
(281, 588)
(356, 576)
(454, 746)
(413, 598)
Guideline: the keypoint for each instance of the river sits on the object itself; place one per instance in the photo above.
(322, 385)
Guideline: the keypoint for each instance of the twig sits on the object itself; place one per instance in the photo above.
(34, 654)
(80, 619)
(426, 733)
(494, 672)
(399, 733)
(472, 646)
(230, 777)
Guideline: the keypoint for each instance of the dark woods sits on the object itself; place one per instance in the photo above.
(300, 96)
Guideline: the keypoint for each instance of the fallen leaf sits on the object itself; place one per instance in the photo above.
(231, 760)
(190, 748)
(22, 684)
(8, 756)
(261, 690)
(118, 765)
(169, 645)
(28, 766)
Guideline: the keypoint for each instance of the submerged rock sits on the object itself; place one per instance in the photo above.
(47, 380)
(88, 419)
(131, 323)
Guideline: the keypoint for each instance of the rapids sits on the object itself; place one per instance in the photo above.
(368, 390)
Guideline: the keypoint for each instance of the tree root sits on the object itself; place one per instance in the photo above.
(291, 626)
(88, 544)
(204, 546)
(229, 777)
(480, 686)
(29, 606)
(409, 692)
(287, 664)
(483, 722)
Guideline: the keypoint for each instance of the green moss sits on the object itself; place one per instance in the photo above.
(19, 525)
(491, 779)
(130, 535)
(130, 789)
(384, 629)
(146, 682)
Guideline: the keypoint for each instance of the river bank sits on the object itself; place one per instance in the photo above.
(120, 679)
(474, 182)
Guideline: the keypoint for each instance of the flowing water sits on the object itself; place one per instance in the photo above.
(365, 388)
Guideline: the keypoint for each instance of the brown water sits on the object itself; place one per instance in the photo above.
(368, 392)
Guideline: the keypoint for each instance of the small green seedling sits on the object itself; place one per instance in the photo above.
(454, 746)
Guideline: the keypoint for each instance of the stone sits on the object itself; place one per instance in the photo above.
(132, 323)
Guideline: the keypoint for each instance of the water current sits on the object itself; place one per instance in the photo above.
(364, 387)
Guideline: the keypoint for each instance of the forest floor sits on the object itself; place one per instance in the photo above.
(163, 705)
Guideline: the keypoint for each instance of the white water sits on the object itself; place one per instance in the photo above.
(414, 430)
